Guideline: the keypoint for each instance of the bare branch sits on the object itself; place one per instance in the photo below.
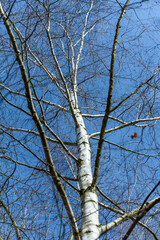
(136, 212)
(140, 214)
(23, 164)
(129, 150)
(61, 143)
(36, 134)
(132, 123)
(12, 219)
(136, 90)
(109, 98)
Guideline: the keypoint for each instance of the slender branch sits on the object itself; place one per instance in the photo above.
(65, 180)
(41, 100)
(37, 169)
(38, 62)
(23, 145)
(133, 219)
(136, 90)
(36, 134)
(122, 211)
(148, 229)
(13, 105)
(81, 43)
(145, 200)
(110, 208)
(132, 123)
(128, 150)
(109, 199)
(139, 213)
(24, 164)
(61, 143)
(136, 212)
(12, 219)
(102, 116)
(109, 98)
(61, 75)
(11, 9)
(8, 178)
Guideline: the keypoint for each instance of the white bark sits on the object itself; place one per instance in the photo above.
(89, 200)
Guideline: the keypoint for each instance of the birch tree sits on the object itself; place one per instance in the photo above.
(79, 123)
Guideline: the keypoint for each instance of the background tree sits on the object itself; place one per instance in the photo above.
(80, 117)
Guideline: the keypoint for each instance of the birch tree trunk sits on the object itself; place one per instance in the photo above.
(89, 201)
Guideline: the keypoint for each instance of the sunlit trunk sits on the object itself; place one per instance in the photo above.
(89, 200)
